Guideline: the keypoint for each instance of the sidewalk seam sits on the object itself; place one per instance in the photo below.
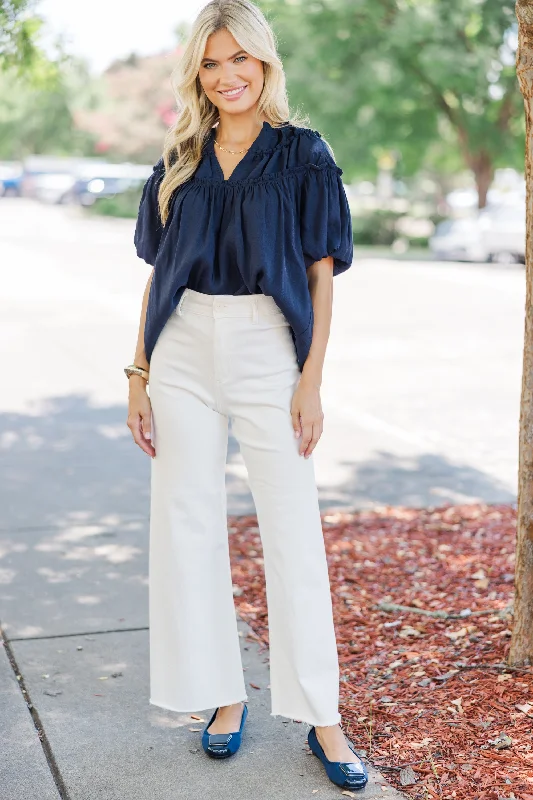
(78, 633)
(41, 734)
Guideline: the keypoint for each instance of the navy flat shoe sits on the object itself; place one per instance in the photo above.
(349, 775)
(223, 745)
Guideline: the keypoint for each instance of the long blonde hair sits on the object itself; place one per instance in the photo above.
(182, 150)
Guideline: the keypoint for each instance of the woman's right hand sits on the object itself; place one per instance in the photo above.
(140, 414)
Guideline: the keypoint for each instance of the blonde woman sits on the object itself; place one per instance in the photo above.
(245, 221)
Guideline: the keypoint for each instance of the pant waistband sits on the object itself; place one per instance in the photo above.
(227, 305)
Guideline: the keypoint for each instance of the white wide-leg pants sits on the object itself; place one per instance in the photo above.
(221, 357)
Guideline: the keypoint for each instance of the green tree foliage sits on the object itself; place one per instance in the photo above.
(42, 119)
(433, 80)
(20, 54)
(38, 95)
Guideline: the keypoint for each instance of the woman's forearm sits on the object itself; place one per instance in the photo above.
(139, 406)
(140, 353)
(320, 281)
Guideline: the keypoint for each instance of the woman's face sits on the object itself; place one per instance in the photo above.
(226, 65)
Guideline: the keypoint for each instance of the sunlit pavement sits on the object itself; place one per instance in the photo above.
(421, 387)
(421, 398)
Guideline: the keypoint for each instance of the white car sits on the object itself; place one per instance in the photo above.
(504, 234)
(494, 234)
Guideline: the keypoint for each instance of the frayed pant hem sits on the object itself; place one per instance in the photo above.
(196, 708)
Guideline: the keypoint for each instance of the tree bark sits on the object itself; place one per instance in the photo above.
(481, 165)
(521, 651)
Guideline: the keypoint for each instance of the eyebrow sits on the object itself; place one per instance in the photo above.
(233, 56)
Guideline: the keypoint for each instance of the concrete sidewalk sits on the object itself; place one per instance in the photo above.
(91, 732)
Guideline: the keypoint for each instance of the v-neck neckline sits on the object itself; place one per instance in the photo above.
(267, 127)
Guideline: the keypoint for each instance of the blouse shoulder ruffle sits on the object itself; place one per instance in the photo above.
(325, 216)
(149, 227)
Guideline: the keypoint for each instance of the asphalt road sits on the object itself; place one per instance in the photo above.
(421, 388)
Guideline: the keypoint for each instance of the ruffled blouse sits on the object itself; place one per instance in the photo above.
(283, 208)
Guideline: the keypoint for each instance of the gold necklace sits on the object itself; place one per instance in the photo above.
(233, 152)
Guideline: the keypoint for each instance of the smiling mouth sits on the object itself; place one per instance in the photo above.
(233, 92)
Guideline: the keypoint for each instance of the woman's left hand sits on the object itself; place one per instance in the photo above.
(307, 416)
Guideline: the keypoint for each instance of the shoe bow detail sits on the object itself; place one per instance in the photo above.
(352, 769)
(219, 739)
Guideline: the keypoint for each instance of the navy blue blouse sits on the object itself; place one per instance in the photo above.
(283, 208)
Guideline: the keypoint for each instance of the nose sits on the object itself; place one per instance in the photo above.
(228, 79)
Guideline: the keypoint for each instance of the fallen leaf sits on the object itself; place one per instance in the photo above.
(525, 707)
(458, 704)
(446, 675)
(254, 685)
(407, 776)
(195, 716)
(423, 743)
(195, 730)
(453, 635)
(407, 631)
(502, 741)
(348, 794)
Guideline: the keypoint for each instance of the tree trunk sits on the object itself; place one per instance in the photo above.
(521, 652)
(481, 165)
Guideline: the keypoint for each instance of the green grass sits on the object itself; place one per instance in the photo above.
(125, 204)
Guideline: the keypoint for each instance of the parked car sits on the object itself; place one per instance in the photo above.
(10, 179)
(458, 240)
(87, 190)
(105, 180)
(52, 187)
(494, 234)
(504, 234)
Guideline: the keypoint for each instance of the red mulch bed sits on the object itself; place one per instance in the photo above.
(421, 692)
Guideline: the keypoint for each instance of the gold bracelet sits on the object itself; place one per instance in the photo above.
(133, 369)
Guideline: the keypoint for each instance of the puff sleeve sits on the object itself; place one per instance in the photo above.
(149, 228)
(325, 217)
